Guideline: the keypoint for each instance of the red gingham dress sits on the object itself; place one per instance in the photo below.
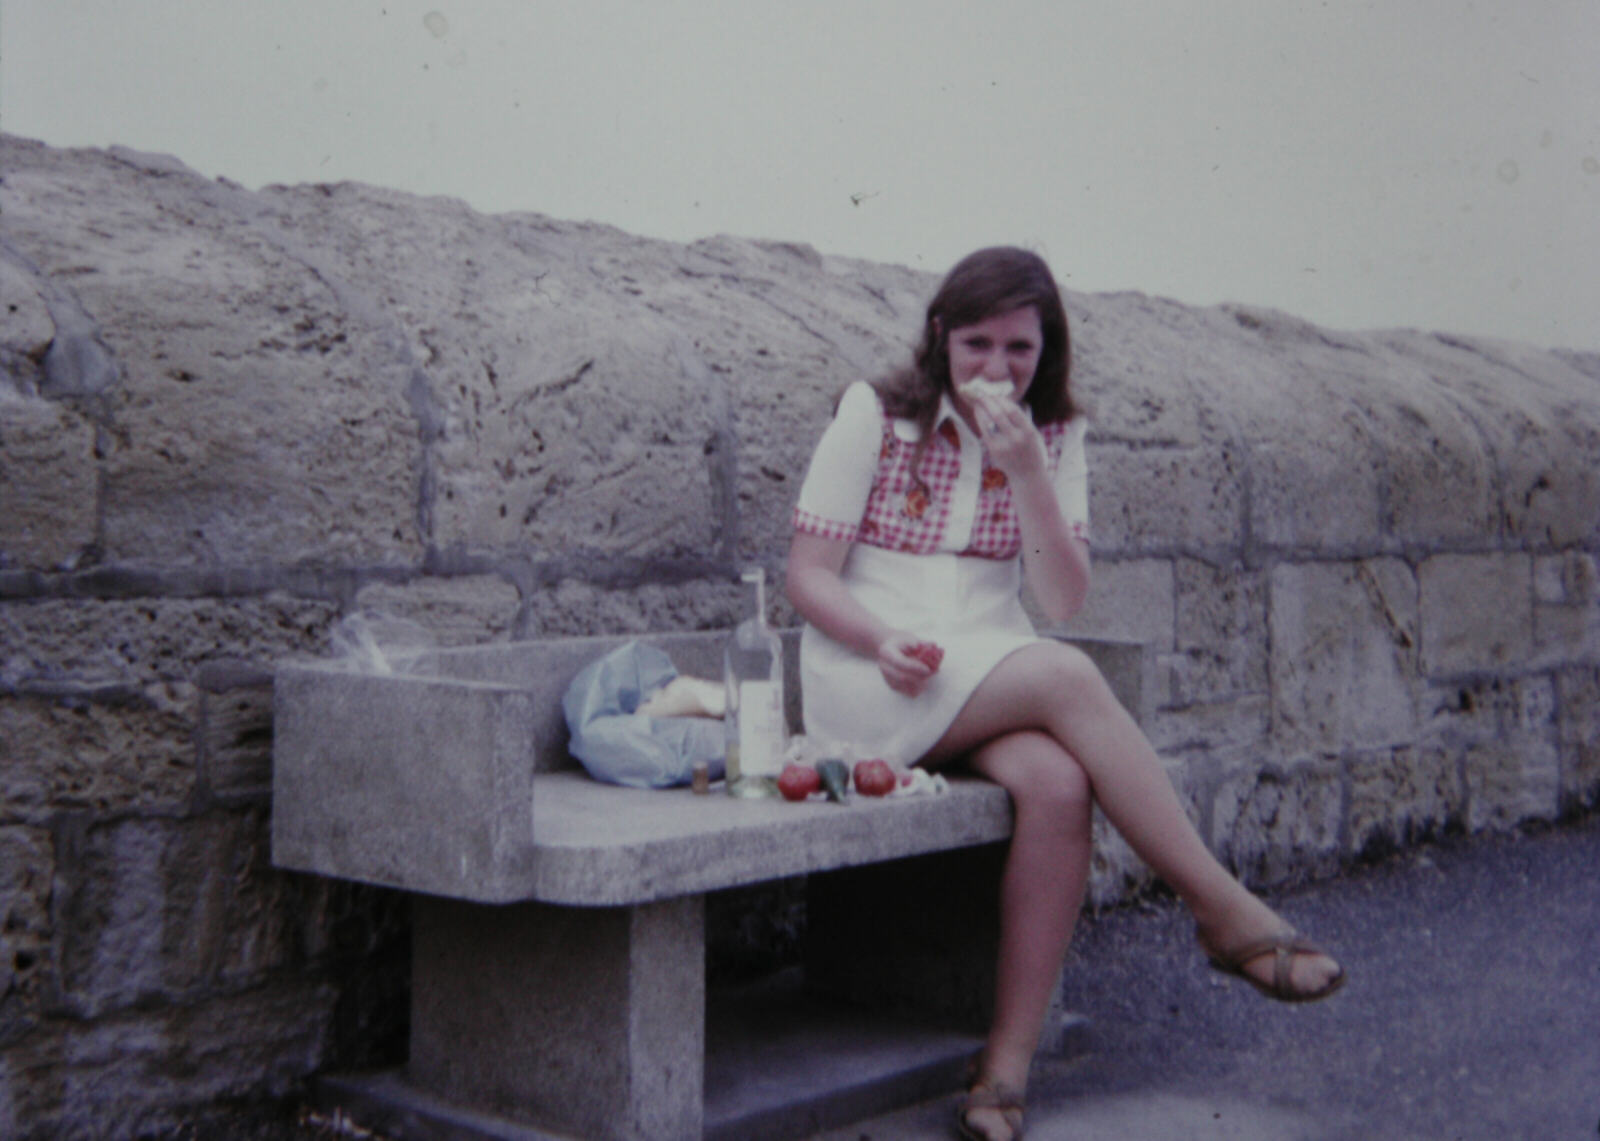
(938, 557)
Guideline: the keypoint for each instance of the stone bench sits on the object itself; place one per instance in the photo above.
(559, 973)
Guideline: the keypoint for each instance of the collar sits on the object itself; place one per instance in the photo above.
(907, 429)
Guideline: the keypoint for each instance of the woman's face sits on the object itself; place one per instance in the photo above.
(1005, 348)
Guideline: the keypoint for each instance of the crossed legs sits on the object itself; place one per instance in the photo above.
(1045, 725)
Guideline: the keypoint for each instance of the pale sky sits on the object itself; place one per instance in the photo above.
(1430, 164)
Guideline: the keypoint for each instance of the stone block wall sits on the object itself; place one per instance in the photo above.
(1366, 562)
(1374, 623)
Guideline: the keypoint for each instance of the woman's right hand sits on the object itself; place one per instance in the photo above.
(903, 672)
(820, 596)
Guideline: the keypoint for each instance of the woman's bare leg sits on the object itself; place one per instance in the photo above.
(1041, 893)
(1056, 689)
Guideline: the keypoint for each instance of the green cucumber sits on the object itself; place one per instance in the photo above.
(835, 776)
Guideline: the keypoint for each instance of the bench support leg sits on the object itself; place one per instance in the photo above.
(586, 1020)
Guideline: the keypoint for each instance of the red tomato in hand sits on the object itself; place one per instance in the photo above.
(929, 654)
(875, 778)
(797, 782)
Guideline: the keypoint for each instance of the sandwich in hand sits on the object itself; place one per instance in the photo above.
(978, 386)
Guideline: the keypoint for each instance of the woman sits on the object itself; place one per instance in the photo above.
(930, 500)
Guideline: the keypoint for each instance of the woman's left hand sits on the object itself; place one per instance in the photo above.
(1007, 433)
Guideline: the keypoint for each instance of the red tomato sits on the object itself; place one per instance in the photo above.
(875, 778)
(797, 782)
(929, 654)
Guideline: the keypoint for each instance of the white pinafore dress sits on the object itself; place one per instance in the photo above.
(939, 558)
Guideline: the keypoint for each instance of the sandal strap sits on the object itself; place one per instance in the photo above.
(1283, 948)
(1236, 956)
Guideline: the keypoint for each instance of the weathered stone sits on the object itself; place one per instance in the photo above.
(1571, 578)
(1534, 413)
(27, 866)
(157, 638)
(1400, 796)
(776, 426)
(1566, 634)
(1465, 714)
(229, 917)
(1439, 484)
(1580, 776)
(1511, 781)
(1504, 736)
(1344, 655)
(605, 454)
(1289, 396)
(1129, 601)
(140, 1074)
(236, 741)
(1578, 731)
(1271, 825)
(1476, 612)
(47, 483)
(1306, 494)
(1124, 349)
(454, 611)
(1566, 608)
(539, 364)
(246, 380)
(1533, 707)
(156, 909)
(27, 330)
(1242, 720)
(1160, 499)
(577, 607)
(111, 925)
(1221, 632)
(134, 752)
(1578, 704)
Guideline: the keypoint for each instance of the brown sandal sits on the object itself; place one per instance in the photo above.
(985, 1093)
(1283, 946)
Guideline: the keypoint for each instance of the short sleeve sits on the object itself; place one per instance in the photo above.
(834, 496)
(1072, 479)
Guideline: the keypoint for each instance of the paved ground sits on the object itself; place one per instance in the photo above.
(1472, 1014)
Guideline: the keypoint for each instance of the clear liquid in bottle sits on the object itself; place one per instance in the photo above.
(752, 667)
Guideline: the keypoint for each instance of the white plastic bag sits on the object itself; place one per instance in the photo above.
(616, 743)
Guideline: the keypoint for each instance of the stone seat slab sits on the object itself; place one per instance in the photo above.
(598, 845)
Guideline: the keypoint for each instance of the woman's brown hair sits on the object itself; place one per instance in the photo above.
(982, 285)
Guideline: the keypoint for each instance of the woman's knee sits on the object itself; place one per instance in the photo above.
(1068, 676)
(1038, 772)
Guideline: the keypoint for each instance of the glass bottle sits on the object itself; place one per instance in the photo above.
(752, 668)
